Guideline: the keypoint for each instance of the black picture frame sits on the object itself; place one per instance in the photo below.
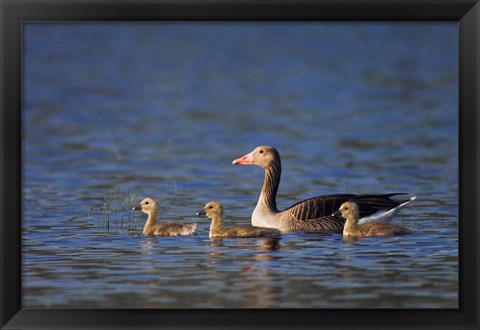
(14, 12)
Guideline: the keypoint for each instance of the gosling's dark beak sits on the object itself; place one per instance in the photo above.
(202, 212)
(337, 213)
(137, 208)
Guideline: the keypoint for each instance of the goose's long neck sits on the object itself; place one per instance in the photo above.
(217, 224)
(268, 196)
(151, 221)
(152, 218)
(351, 224)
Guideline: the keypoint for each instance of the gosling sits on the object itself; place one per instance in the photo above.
(214, 210)
(349, 211)
(153, 228)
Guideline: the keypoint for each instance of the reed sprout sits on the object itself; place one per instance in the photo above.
(115, 213)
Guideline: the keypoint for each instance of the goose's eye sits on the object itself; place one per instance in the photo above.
(260, 151)
(346, 209)
(146, 203)
(210, 207)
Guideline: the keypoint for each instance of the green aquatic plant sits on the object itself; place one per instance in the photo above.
(114, 214)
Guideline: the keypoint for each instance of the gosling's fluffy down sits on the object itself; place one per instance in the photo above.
(153, 228)
(214, 210)
(349, 211)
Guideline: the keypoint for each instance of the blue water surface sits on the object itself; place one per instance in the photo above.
(115, 112)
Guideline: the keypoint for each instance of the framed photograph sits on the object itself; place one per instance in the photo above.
(124, 126)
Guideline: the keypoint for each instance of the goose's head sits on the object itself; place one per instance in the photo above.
(349, 211)
(147, 205)
(263, 156)
(212, 209)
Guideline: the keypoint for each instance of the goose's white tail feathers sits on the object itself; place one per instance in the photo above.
(385, 216)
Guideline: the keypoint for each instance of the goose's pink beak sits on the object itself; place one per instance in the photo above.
(245, 160)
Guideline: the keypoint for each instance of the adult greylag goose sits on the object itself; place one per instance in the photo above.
(153, 228)
(349, 211)
(313, 214)
(214, 210)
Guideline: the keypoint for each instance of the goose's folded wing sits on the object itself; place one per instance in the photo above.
(317, 207)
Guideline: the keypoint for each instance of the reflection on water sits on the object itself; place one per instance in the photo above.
(117, 112)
